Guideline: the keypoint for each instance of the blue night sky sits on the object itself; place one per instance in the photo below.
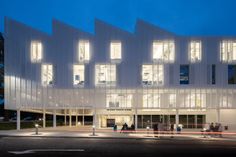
(185, 17)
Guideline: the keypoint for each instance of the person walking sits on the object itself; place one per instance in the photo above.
(172, 130)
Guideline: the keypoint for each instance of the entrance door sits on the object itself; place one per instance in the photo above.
(111, 122)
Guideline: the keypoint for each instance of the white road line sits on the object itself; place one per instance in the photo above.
(44, 150)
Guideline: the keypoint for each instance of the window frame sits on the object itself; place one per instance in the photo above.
(83, 82)
(85, 60)
(34, 56)
(112, 51)
(164, 43)
(190, 48)
(111, 84)
(47, 77)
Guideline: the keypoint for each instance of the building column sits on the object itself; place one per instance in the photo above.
(218, 115)
(195, 121)
(54, 119)
(76, 118)
(18, 119)
(70, 118)
(136, 119)
(177, 117)
(65, 123)
(83, 117)
(95, 118)
(44, 118)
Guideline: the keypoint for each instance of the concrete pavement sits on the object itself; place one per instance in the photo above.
(87, 132)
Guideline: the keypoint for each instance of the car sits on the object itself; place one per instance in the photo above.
(13, 119)
(1, 118)
(27, 119)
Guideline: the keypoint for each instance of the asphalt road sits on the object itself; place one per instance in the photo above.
(79, 147)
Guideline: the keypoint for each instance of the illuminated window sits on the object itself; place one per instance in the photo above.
(228, 51)
(119, 100)
(115, 50)
(36, 51)
(84, 53)
(152, 75)
(172, 100)
(47, 74)
(195, 100)
(105, 74)
(78, 75)
(164, 51)
(151, 100)
(195, 52)
(223, 101)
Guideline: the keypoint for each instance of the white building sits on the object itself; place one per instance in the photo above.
(114, 76)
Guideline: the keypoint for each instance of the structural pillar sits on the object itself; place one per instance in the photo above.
(76, 118)
(195, 121)
(44, 118)
(54, 119)
(136, 119)
(218, 115)
(65, 117)
(70, 118)
(177, 117)
(18, 119)
(95, 118)
(83, 117)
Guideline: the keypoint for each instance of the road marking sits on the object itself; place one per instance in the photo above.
(31, 151)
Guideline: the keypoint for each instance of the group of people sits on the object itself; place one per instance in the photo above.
(214, 129)
(160, 128)
(126, 128)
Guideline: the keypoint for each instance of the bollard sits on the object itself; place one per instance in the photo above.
(36, 129)
(93, 130)
(148, 130)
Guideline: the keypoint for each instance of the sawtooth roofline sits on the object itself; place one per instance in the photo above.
(140, 26)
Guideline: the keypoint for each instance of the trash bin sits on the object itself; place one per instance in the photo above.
(226, 127)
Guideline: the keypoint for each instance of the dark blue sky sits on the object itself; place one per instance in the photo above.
(186, 17)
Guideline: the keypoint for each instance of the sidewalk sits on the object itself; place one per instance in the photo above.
(87, 132)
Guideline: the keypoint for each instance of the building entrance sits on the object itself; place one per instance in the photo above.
(111, 120)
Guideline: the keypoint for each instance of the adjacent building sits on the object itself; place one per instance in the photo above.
(116, 77)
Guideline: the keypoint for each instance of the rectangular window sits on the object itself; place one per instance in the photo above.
(119, 100)
(231, 74)
(213, 74)
(152, 75)
(36, 51)
(184, 74)
(163, 51)
(78, 75)
(195, 53)
(228, 51)
(105, 75)
(172, 100)
(151, 100)
(115, 50)
(47, 74)
(195, 100)
(84, 51)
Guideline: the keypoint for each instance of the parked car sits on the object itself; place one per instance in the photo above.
(1, 118)
(13, 119)
(27, 119)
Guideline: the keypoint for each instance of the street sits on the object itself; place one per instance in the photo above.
(44, 146)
